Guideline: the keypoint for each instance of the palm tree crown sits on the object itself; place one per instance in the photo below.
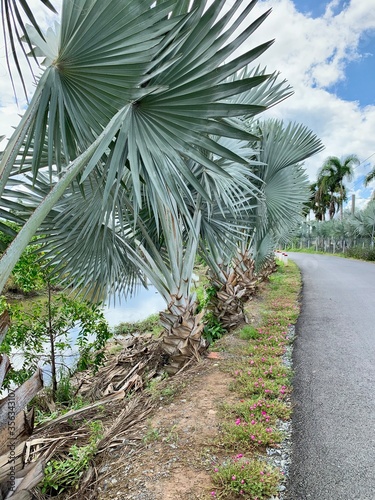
(331, 177)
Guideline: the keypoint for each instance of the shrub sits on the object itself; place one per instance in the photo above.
(361, 253)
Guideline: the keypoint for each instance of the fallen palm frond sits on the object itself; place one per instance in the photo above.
(16, 425)
(138, 362)
(130, 371)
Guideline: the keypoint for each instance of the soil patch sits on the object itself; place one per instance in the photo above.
(177, 446)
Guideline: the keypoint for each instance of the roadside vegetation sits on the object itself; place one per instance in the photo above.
(353, 236)
(262, 381)
(142, 152)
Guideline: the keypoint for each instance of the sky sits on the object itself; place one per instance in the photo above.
(326, 51)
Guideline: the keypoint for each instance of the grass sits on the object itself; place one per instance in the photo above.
(357, 253)
(148, 325)
(245, 478)
(262, 382)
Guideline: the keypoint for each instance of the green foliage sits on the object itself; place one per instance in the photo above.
(251, 479)
(61, 474)
(361, 253)
(213, 329)
(65, 391)
(29, 274)
(50, 321)
(205, 296)
(249, 332)
(148, 325)
(3, 304)
(152, 434)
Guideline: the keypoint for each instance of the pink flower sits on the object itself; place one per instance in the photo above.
(253, 422)
(261, 473)
(252, 437)
(242, 481)
(233, 478)
(238, 421)
(216, 469)
(239, 455)
(213, 493)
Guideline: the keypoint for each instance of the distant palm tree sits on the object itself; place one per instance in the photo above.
(320, 201)
(370, 177)
(332, 175)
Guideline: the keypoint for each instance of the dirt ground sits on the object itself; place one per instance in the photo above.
(174, 452)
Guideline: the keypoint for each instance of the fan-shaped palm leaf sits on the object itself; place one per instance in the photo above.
(13, 13)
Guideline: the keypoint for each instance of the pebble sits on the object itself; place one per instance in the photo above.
(281, 457)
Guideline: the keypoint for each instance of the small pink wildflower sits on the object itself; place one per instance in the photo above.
(238, 421)
(213, 493)
(233, 478)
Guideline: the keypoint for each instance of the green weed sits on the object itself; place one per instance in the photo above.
(250, 479)
(148, 325)
(249, 332)
(63, 474)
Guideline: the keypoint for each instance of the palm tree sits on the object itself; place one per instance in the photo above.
(363, 222)
(142, 99)
(283, 188)
(139, 128)
(370, 177)
(320, 201)
(332, 175)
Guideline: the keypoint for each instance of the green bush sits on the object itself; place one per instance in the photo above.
(48, 323)
(66, 473)
(29, 274)
(249, 332)
(148, 325)
(361, 253)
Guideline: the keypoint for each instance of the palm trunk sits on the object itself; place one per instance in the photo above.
(182, 338)
(228, 304)
(52, 346)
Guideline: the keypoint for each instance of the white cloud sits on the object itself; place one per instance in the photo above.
(9, 108)
(312, 54)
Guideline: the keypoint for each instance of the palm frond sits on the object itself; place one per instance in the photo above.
(13, 13)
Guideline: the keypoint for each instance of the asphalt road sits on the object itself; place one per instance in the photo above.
(334, 383)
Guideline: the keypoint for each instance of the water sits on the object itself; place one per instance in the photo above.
(143, 304)
(120, 310)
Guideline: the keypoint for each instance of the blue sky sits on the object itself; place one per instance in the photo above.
(326, 51)
(316, 8)
(359, 84)
(360, 73)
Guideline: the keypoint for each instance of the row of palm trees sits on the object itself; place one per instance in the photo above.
(328, 193)
(141, 148)
(354, 229)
